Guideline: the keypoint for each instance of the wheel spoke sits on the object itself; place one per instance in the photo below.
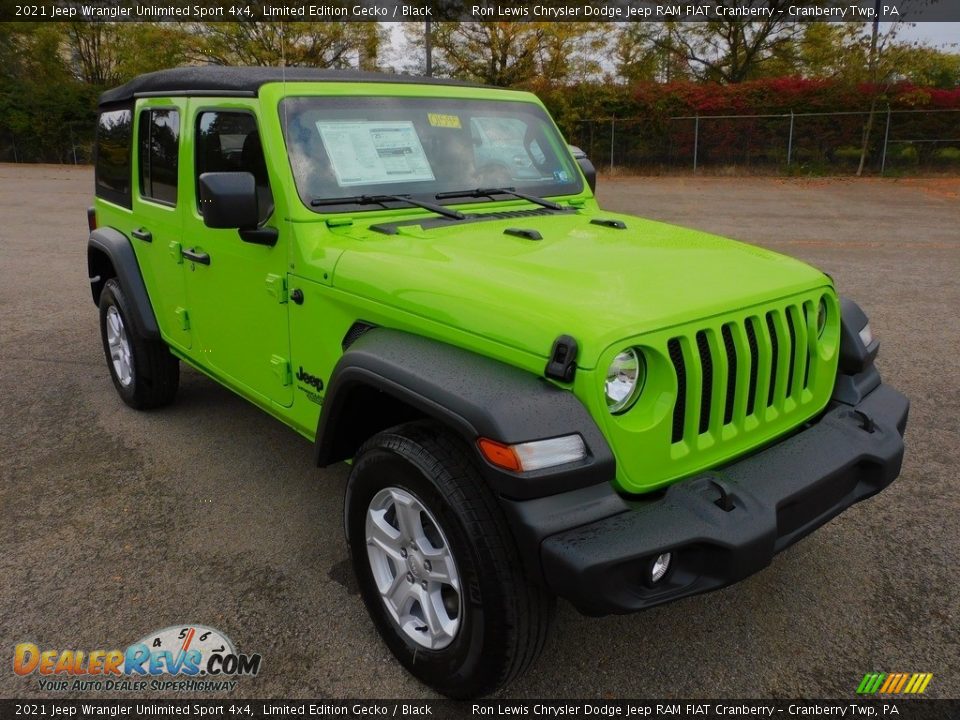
(435, 616)
(443, 572)
(383, 536)
(408, 518)
(399, 595)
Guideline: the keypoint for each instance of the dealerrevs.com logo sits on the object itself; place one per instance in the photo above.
(189, 658)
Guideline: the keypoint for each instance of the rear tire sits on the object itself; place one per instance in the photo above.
(493, 618)
(143, 371)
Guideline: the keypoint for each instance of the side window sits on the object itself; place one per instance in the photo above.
(159, 143)
(112, 172)
(228, 141)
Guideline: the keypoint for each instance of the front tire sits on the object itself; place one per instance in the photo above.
(437, 566)
(143, 371)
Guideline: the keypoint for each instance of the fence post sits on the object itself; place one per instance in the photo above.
(613, 122)
(886, 141)
(73, 146)
(790, 141)
(696, 141)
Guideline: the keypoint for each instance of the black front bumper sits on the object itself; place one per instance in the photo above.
(595, 548)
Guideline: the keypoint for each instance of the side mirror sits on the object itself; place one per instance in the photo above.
(229, 200)
(589, 171)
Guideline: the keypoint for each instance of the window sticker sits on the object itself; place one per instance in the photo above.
(444, 121)
(370, 152)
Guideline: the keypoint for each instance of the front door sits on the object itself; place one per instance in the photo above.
(236, 290)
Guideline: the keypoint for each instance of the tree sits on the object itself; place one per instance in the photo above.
(513, 53)
(649, 52)
(568, 51)
(313, 44)
(494, 53)
(829, 50)
(731, 51)
(105, 54)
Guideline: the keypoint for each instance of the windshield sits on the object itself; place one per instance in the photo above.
(351, 147)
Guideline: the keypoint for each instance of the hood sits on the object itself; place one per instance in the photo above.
(598, 284)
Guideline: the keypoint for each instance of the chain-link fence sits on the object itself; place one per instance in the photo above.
(899, 142)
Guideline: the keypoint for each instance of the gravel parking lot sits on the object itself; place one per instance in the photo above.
(115, 523)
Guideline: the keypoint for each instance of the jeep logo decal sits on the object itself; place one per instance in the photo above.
(312, 380)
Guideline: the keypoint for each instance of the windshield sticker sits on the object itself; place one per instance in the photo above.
(373, 152)
(444, 121)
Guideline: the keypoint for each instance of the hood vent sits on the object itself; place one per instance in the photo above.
(524, 233)
(610, 223)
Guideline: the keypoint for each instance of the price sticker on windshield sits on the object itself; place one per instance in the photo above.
(444, 121)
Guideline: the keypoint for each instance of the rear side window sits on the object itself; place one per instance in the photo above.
(159, 133)
(114, 138)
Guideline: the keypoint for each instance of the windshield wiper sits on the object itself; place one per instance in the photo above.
(381, 199)
(490, 192)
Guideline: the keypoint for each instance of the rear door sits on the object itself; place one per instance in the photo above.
(158, 200)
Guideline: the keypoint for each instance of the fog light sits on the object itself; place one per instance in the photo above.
(660, 567)
(866, 335)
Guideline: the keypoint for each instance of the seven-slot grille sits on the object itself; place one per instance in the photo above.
(757, 367)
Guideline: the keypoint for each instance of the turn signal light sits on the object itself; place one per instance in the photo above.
(535, 455)
(503, 456)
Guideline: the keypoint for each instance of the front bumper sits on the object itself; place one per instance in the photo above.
(595, 548)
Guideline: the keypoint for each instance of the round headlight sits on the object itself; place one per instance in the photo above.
(624, 380)
(821, 316)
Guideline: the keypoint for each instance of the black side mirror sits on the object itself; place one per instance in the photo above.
(589, 171)
(229, 200)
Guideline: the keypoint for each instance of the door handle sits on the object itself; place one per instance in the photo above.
(142, 234)
(197, 257)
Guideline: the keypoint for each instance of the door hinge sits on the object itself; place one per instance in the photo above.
(183, 317)
(277, 288)
(176, 252)
(281, 368)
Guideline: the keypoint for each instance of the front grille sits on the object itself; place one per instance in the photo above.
(756, 367)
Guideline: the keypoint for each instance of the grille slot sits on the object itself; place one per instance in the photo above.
(774, 357)
(729, 374)
(793, 344)
(754, 361)
(706, 392)
(731, 351)
(679, 410)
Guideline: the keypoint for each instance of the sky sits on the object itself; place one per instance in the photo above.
(945, 35)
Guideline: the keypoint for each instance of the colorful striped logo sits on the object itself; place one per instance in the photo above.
(891, 683)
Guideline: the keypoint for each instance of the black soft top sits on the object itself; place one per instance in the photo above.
(245, 81)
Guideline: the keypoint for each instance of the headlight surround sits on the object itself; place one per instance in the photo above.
(624, 381)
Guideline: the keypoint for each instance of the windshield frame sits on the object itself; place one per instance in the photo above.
(546, 132)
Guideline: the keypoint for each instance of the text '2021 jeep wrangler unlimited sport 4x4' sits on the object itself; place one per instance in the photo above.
(540, 398)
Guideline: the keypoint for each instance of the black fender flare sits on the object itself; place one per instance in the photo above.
(472, 395)
(857, 376)
(115, 246)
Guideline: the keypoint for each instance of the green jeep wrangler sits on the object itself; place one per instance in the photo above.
(539, 398)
